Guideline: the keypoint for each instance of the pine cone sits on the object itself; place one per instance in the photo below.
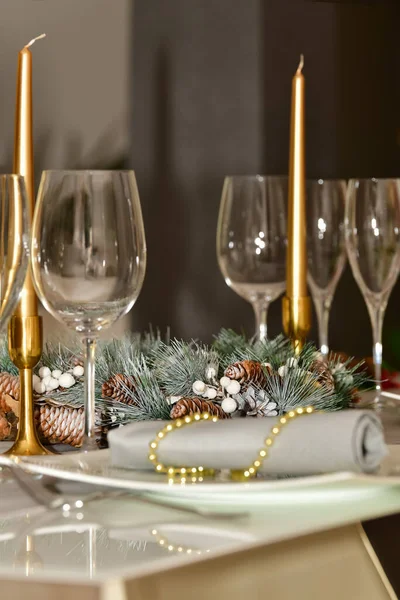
(322, 374)
(9, 384)
(60, 424)
(190, 406)
(118, 388)
(78, 361)
(5, 426)
(247, 372)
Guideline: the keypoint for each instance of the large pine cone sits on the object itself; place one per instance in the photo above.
(118, 387)
(60, 424)
(190, 406)
(322, 374)
(247, 372)
(9, 384)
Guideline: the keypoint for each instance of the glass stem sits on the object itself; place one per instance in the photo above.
(261, 312)
(89, 434)
(376, 314)
(322, 308)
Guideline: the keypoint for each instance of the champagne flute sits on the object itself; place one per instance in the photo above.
(251, 240)
(88, 257)
(373, 245)
(326, 247)
(14, 243)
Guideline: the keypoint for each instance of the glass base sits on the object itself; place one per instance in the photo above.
(89, 444)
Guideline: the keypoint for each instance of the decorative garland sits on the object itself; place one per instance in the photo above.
(146, 377)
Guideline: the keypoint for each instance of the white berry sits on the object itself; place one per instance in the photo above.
(44, 372)
(56, 374)
(229, 405)
(46, 379)
(233, 387)
(292, 362)
(66, 380)
(282, 371)
(35, 380)
(224, 381)
(199, 387)
(78, 371)
(52, 384)
(211, 373)
(211, 393)
(39, 387)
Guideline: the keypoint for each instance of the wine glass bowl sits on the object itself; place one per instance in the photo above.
(373, 247)
(326, 247)
(252, 239)
(88, 255)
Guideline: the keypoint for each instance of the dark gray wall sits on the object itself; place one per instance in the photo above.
(211, 94)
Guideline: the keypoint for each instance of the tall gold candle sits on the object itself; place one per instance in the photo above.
(296, 303)
(25, 329)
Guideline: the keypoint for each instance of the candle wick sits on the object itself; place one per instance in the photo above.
(301, 64)
(39, 37)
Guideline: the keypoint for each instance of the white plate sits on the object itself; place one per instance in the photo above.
(94, 468)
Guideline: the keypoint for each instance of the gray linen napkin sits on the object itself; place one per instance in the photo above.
(350, 440)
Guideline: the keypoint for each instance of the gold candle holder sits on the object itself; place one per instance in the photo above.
(296, 305)
(25, 328)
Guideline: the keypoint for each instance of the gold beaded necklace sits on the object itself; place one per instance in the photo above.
(197, 474)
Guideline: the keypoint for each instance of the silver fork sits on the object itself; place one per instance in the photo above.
(48, 496)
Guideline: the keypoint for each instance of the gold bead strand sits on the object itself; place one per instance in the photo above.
(185, 474)
(250, 472)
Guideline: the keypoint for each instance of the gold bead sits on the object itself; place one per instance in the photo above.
(300, 411)
(275, 430)
(189, 551)
(309, 409)
(160, 434)
(180, 549)
(170, 547)
(183, 479)
(178, 423)
(153, 445)
(201, 469)
(188, 419)
(269, 442)
(169, 427)
(194, 479)
(200, 479)
(263, 453)
(171, 470)
(283, 420)
(252, 470)
(197, 417)
(154, 531)
(215, 419)
(206, 416)
(194, 470)
(246, 474)
(161, 542)
(152, 457)
(183, 470)
(159, 468)
(291, 414)
(171, 481)
(257, 464)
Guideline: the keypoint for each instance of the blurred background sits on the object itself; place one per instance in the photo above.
(187, 91)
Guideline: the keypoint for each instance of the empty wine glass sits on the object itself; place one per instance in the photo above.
(373, 245)
(88, 257)
(326, 247)
(14, 243)
(252, 238)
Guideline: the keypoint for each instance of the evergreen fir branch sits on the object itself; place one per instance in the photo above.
(6, 364)
(228, 343)
(180, 364)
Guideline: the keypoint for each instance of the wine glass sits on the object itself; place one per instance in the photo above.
(326, 247)
(88, 257)
(373, 245)
(14, 243)
(252, 239)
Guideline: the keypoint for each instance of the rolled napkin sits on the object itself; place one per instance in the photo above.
(349, 440)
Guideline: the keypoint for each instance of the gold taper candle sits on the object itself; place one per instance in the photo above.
(25, 328)
(296, 303)
(23, 160)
